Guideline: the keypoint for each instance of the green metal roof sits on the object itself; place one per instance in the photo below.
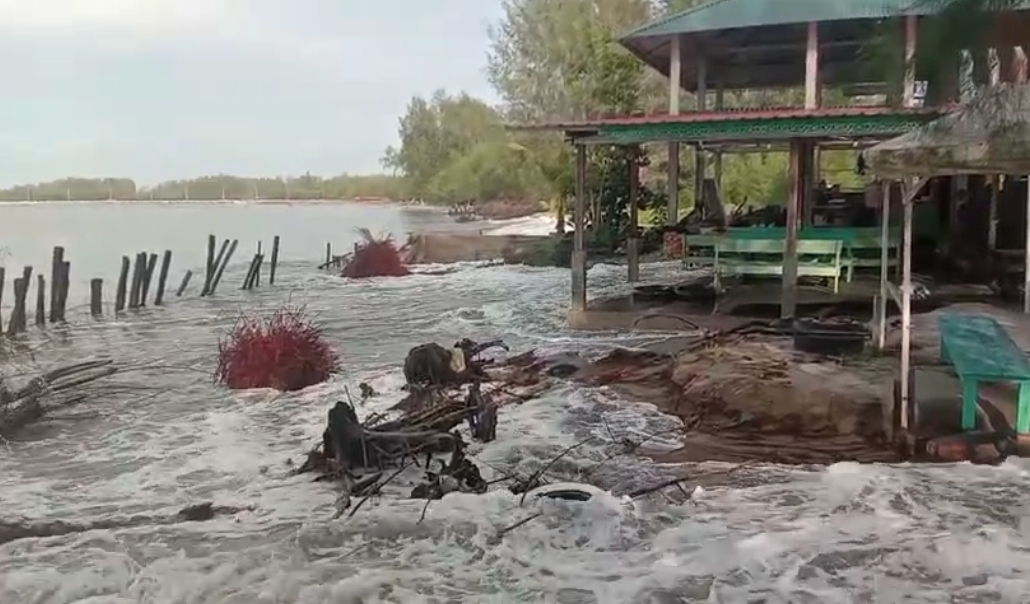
(828, 125)
(732, 14)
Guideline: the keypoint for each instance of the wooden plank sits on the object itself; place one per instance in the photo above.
(979, 348)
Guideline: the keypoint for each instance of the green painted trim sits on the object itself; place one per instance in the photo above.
(763, 128)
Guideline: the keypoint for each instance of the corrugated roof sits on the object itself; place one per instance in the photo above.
(732, 14)
(765, 113)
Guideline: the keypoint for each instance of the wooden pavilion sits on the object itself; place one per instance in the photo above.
(990, 135)
(757, 44)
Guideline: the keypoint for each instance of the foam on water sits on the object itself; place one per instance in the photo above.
(846, 533)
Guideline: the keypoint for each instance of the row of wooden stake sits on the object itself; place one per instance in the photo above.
(132, 294)
(59, 279)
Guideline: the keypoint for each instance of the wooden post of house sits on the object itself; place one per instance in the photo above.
(96, 297)
(675, 68)
(579, 255)
(700, 157)
(881, 301)
(119, 295)
(813, 99)
(632, 231)
(717, 155)
(789, 299)
(55, 282)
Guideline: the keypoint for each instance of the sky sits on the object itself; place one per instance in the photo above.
(163, 89)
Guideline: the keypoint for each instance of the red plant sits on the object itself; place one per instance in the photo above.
(375, 258)
(283, 351)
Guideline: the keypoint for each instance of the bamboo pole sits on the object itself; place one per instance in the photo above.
(166, 263)
(209, 274)
(123, 276)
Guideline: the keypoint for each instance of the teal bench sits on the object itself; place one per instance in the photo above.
(699, 250)
(861, 245)
(764, 257)
(980, 350)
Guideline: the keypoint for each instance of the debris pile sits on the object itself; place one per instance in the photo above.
(54, 389)
(374, 257)
(284, 351)
(446, 387)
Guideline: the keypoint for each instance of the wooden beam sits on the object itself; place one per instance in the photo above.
(578, 260)
(812, 85)
(788, 301)
(909, 82)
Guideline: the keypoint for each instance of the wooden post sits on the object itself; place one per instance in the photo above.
(789, 299)
(17, 323)
(675, 72)
(3, 279)
(1026, 259)
(881, 302)
(579, 255)
(221, 267)
(123, 276)
(137, 279)
(55, 282)
(148, 274)
(209, 281)
(908, 94)
(328, 254)
(813, 87)
(633, 232)
(992, 213)
(717, 155)
(40, 300)
(96, 296)
(185, 282)
(62, 301)
(252, 273)
(700, 156)
(906, 304)
(274, 260)
(166, 263)
(209, 274)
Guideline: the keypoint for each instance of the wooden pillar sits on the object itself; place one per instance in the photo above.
(579, 255)
(906, 303)
(813, 86)
(717, 155)
(632, 231)
(813, 99)
(788, 301)
(700, 157)
(1026, 259)
(881, 301)
(909, 91)
(992, 213)
(675, 68)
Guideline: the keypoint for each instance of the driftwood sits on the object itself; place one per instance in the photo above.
(46, 392)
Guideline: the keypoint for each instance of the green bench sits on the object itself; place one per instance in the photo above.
(980, 351)
(764, 257)
(861, 245)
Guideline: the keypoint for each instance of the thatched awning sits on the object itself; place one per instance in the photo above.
(988, 135)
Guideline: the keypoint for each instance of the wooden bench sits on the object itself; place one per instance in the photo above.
(764, 257)
(980, 350)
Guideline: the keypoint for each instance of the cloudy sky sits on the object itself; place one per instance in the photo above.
(161, 89)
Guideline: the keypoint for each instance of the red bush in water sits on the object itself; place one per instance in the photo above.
(375, 258)
(284, 351)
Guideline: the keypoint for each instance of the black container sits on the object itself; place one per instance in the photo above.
(830, 338)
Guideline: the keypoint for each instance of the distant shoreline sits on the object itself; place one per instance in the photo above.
(380, 202)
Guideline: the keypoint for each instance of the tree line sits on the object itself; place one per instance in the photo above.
(210, 188)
